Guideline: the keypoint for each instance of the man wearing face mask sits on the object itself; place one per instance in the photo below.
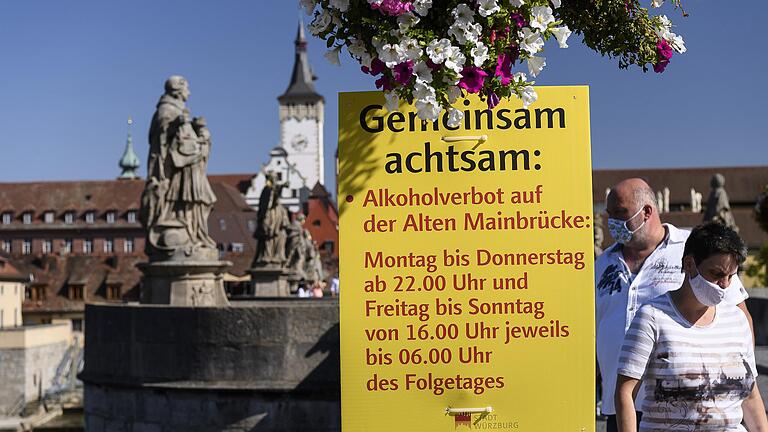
(644, 263)
(693, 351)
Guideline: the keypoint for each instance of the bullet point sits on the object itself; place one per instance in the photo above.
(350, 198)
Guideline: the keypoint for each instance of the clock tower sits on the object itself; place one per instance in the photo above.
(301, 119)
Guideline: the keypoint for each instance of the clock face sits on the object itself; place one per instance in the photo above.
(299, 143)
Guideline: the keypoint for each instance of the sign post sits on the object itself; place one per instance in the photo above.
(467, 266)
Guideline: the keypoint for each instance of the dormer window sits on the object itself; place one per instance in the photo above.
(7, 218)
(48, 217)
(75, 292)
(90, 217)
(111, 217)
(69, 217)
(131, 216)
(26, 218)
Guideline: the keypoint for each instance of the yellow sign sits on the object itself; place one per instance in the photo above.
(467, 266)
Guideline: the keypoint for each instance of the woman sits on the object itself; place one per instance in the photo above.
(693, 354)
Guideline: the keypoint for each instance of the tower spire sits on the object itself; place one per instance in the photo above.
(129, 163)
(301, 89)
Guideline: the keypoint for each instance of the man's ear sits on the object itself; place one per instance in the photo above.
(689, 264)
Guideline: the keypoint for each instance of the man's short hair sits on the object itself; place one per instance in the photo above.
(714, 238)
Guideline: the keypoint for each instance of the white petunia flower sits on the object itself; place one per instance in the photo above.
(391, 54)
(541, 17)
(393, 101)
(422, 90)
(479, 54)
(333, 56)
(320, 23)
(487, 7)
(423, 72)
(357, 48)
(463, 14)
(519, 77)
(308, 5)
(410, 48)
(536, 64)
(454, 93)
(531, 41)
(438, 49)
(455, 59)
(341, 5)
(677, 43)
(472, 32)
(665, 27)
(428, 109)
(375, 2)
(556, 3)
(422, 6)
(529, 96)
(457, 31)
(516, 3)
(377, 42)
(562, 34)
(657, 3)
(454, 117)
(406, 21)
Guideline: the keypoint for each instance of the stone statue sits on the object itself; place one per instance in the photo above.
(295, 250)
(177, 198)
(718, 206)
(313, 267)
(271, 226)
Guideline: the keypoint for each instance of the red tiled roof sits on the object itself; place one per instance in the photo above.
(8, 271)
(743, 184)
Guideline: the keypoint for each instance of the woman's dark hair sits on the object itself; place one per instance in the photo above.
(714, 238)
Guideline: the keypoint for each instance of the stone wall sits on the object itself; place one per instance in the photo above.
(25, 365)
(262, 365)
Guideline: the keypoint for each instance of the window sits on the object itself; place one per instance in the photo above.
(48, 217)
(252, 225)
(75, 292)
(110, 217)
(26, 246)
(35, 293)
(90, 217)
(131, 216)
(26, 218)
(7, 246)
(47, 246)
(87, 246)
(67, 246)
(316, 222)
(113, 292)
(294, 193)
(109, 245)
(222, 224)
(7, 218)
(128, 246)
(77, 325)
(69, 217)
(237, 247)
(328, 246)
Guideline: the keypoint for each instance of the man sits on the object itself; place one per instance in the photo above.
(645, 262)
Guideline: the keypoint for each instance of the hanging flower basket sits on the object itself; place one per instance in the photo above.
(432, 52)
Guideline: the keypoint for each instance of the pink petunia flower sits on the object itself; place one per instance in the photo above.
(504, 68)
(472, 79)
(403, 72)
(384, 83)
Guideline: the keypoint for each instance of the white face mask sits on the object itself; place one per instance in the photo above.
(706, 292)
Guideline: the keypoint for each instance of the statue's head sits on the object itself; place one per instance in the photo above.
(199, 122)
(177, 86)
(717, 181)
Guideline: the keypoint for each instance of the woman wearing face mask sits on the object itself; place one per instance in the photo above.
(692, 353)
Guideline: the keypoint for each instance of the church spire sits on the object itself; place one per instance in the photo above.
(129, 163)
(301, 89)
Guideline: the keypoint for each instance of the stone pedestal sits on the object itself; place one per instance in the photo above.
(184, 283)
(270, 282)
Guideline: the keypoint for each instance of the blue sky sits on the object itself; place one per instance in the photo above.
(71, 73)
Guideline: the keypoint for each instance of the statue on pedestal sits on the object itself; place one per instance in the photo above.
(177, 198)
(183, 268)
(271, 226)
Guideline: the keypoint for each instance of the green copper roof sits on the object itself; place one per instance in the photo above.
(129, 162)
